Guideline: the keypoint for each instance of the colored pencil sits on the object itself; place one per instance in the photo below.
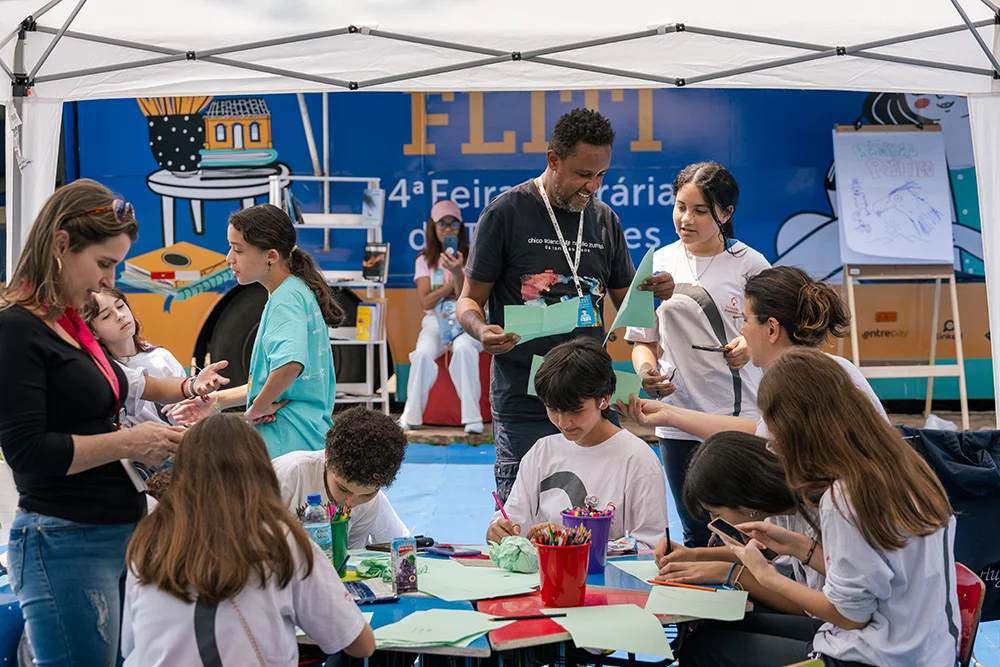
(679, 585)
(500, 505)
(667, 531)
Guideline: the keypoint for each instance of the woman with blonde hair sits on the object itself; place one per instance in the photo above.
(888, 530)
(60, 412)
(222, 573)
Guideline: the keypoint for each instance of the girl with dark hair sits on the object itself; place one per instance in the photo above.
(708, 266)
(889, 598)
(119, 332)
(439, 278)
(290, 393)
(734, 477)
(222, 573)
(589, 456)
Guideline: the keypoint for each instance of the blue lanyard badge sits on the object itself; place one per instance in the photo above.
(587, 315)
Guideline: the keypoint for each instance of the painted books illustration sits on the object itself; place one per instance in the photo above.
(177, 272)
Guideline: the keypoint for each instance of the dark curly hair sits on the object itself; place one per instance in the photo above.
(578, 125)
(365, 447)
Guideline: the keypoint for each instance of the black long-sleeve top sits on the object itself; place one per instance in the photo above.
(51, 391)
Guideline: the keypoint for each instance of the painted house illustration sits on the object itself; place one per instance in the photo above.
(237, 133)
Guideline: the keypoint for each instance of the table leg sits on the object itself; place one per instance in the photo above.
(197, 216)
(167, 215)
(249, 201)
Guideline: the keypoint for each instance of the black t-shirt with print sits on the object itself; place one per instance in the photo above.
(516, 248)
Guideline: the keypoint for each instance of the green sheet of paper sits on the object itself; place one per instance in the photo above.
(452, 582)
(644, 570)
(436, 627)
(626, 385)
(531, 322)
(620, 627)
(637, 306)
(536, 363)
(299, 632)
(719, 605)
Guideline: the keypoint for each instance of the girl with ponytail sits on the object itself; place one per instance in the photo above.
(290, 393)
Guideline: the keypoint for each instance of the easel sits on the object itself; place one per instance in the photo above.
(914, 272)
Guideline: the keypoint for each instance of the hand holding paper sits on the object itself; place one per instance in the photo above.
(531, 322)
(637, 307)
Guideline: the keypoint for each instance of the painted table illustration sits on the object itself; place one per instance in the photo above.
(243, 184)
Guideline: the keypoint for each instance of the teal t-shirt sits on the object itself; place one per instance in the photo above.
(292, 329)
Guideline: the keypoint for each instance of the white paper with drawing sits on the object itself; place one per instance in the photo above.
(894, 196)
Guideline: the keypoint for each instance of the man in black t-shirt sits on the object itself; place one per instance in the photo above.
(525, 251)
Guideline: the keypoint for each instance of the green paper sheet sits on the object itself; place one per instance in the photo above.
(637, 306)
(644, 570)
(619, 627)
(536, 363)
(455, 582)
(531, 322)
(720, 605)
(436, 627)
(626, 385)
(299, 632)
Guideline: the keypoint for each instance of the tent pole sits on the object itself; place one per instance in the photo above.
(109, 68)
(15, 179)
(992, 6)
(771, 64)
(597, 69)
(278, 41)
(35, 17)
(979, 38)
(325, 80)
(101, 39)
(922, 63)
(6, 70)
(55, 40)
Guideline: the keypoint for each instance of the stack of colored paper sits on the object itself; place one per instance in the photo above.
(436, 627)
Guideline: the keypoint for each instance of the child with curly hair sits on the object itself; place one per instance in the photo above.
(363, 453)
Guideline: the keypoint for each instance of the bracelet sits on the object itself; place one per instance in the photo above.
(191, 381)
(812, 550)
(726, 584)
(184, 393)
(736, 581)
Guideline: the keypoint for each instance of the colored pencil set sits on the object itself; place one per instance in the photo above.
(338, 512)
(565, 537)
(588, 511)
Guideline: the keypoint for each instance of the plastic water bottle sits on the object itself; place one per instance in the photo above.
(317, 524)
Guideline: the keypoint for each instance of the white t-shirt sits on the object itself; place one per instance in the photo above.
(909, 595)
(793, 567)
(557, 474)
(859, 381)
(302, 473)
(157, 363)
(161, 630)
(707, 296)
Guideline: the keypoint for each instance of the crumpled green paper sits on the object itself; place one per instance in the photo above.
(515, 554)
(380, 567)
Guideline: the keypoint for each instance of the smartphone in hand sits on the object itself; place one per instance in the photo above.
(725, 529)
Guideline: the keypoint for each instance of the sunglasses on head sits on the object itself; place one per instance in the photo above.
(454, 224)
(120, 207)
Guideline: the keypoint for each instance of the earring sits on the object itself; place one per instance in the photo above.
(269, 267)
(58, 265)
(753, 514)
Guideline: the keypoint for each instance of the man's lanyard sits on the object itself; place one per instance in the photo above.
(574, 263)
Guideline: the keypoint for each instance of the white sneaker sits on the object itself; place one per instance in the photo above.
(409, 427)
(474, 428)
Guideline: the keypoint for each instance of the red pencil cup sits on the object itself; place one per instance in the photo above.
(600, 531)
(564, 574)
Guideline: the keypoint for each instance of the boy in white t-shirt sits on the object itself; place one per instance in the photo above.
(363, 453)
(590, 456)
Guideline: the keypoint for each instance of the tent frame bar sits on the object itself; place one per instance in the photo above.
(539, 56)
(59, 35)
(979, 38)
(34, 17)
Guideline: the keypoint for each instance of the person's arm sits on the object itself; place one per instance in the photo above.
(471, 309)
(716, 573)
(645, 503)
(278, 382)
(385, 525)
(428, 297)
(699, 424)
(235, 397)
(617, 295)
(520, 503)
(814, 602)
(172, 390)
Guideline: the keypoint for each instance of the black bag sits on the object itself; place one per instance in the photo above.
(967, 464)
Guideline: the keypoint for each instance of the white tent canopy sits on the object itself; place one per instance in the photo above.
(89, 49)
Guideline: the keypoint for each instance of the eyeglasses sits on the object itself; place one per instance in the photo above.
(454, 224)
(739, 321)
(121, 208)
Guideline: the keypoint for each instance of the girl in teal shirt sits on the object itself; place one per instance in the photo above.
(290, 393)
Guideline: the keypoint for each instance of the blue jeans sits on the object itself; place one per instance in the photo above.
(512, 439)
(675, 455)
(69, 578)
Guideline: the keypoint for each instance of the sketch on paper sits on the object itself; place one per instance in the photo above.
(903, 214)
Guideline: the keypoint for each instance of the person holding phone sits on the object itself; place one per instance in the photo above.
(709, 267)
(732, 478)
(890, 596)
(439, 278)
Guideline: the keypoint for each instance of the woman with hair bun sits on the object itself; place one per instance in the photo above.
(783, 308)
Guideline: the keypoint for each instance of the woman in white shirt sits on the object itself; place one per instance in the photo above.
(439, 278)
(890, 597)
(222, 573)
(709, 267)
(783, 308)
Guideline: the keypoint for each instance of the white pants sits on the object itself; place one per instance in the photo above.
(464, 371)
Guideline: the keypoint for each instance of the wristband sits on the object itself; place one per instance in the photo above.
(736, 580)
(812, 550)
(184, 393)
(726, 584)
